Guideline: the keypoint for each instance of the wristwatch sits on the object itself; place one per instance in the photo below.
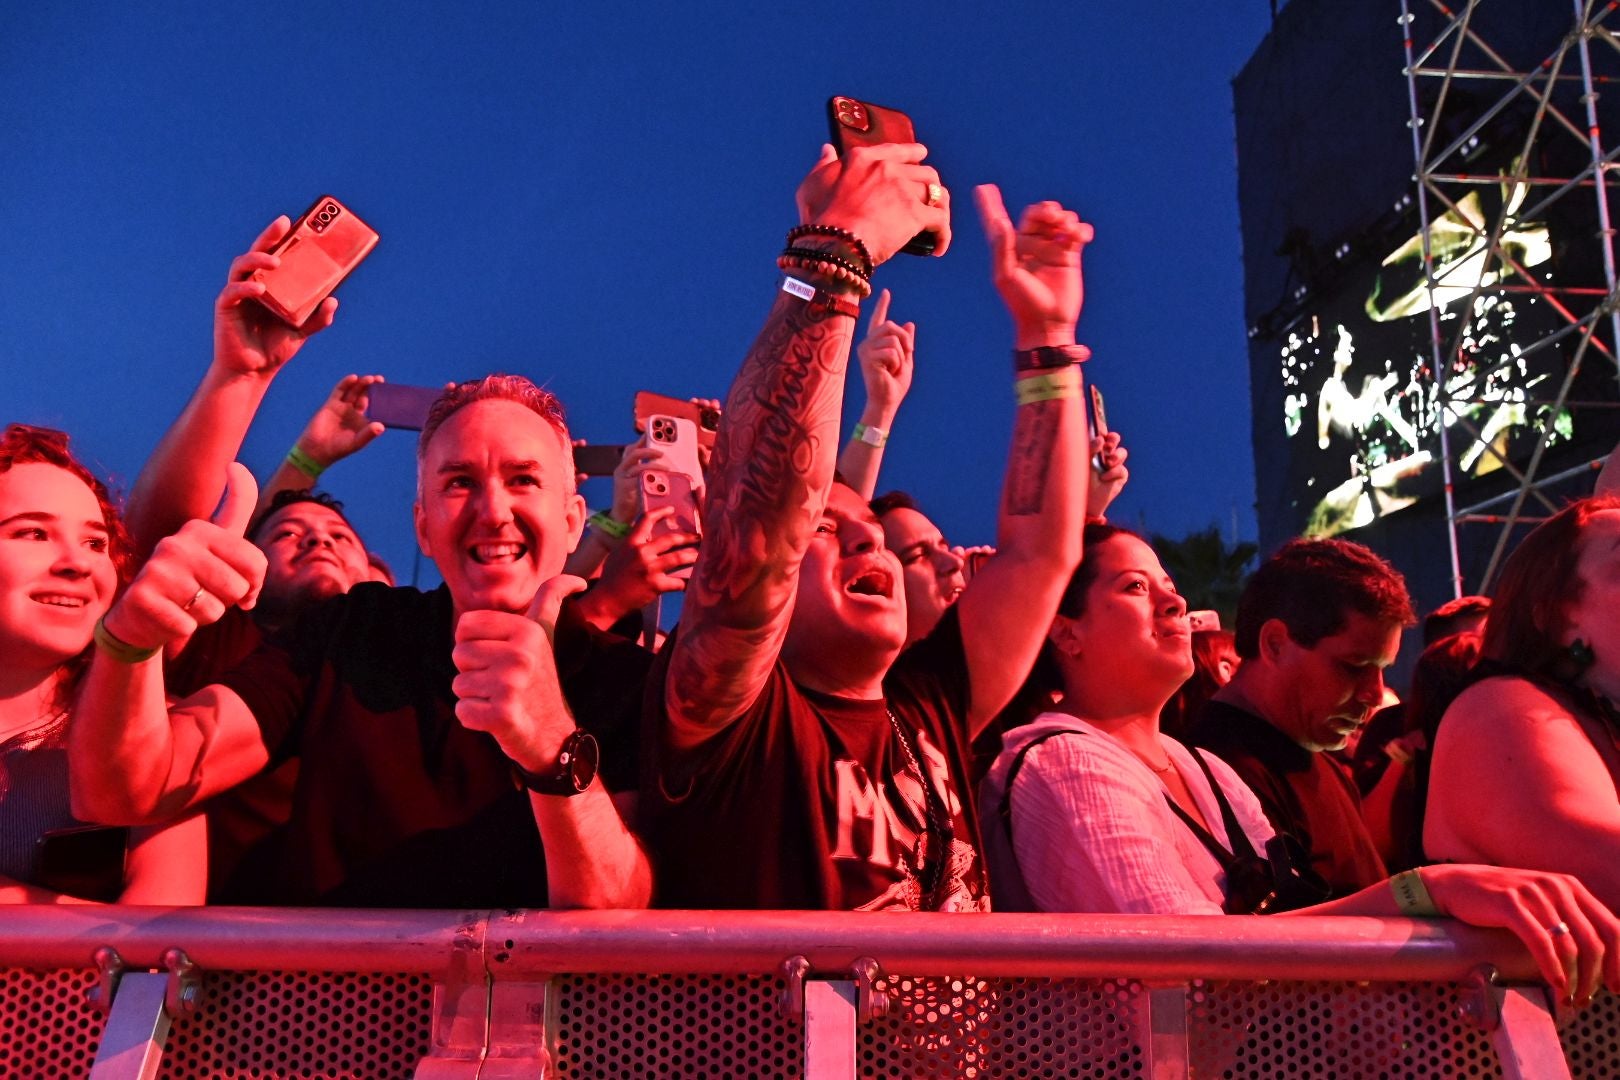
(573, 772)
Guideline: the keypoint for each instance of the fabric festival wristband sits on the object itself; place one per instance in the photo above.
(838, 305)
(874, 437)
(1050, 387)
(1049, 357)
(605, 523)
(304, 463)
(1412, 896)
(121, 651)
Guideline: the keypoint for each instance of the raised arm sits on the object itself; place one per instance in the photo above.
(1007, 607)
(774, 456)
(131, 760)
(184, 476)
(337, 429)
(885, 356)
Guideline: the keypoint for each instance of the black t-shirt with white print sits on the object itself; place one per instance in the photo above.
(810, 801)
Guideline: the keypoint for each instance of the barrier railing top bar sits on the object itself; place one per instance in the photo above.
(513, 943)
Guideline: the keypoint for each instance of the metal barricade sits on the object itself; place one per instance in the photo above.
(113, 993)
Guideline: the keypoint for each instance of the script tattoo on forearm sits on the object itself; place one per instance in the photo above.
(1034, 435)
(773, 462)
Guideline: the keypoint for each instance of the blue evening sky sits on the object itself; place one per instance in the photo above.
(594, 195)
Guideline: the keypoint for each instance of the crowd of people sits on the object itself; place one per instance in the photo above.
(220, 696)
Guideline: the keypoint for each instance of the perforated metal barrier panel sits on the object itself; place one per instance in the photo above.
(309, 1026)
(689, 1025)
(325, 1026)
(1006, 1027)
(47, 1025)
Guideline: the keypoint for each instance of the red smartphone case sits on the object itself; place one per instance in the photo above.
(322, 248)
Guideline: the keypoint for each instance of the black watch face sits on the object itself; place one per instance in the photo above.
(582, 756)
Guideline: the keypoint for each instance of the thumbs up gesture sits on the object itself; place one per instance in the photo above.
(194, 575)
(507, 681)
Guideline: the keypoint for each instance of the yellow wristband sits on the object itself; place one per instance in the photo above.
(304, 463)
(1412, 896)
(608, 525)
(1047, 387)
(121, 651)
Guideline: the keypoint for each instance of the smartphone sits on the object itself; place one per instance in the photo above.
(860, 123)
(678, 439)
(1099, 425)
(660, 487)
(402, 407)
(593, 460)
(707, 420)
(86, 861)
(324, 245)
(1204, 620)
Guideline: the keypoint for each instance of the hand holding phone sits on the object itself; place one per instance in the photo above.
(661, 488)
(854, 123)
(323, 246)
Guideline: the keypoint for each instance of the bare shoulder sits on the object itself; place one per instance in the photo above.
(1504, 701)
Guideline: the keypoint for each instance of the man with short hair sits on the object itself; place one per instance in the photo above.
(442, 765)
(1316, 626)
(804, 760)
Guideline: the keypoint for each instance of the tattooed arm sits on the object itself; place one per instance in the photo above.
(1008, 606)
(777, 444)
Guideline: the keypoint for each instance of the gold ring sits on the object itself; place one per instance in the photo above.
(936, 195)
(189, 604)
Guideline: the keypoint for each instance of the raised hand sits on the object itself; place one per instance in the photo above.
(339, 427)
(1036, 267)
(879, 193)
(248, 340)
(194, 575)
(507, 683)
(638, 457)
(886, 360)
(1106, 485)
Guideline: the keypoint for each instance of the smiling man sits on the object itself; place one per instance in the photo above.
(805, 760)
(441, 762)
(1316, 626)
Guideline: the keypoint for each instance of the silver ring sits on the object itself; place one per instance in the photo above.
(936, 195)
(189, 604)
(1558, 929)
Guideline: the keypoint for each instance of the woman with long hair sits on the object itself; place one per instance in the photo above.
(1526, 763)
(1093, 808)
(64, 555)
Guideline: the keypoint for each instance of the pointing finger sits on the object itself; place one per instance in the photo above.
(880, 313)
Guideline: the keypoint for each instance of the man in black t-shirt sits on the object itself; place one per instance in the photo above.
(420, 718)
(800, 763)
(1316, 626)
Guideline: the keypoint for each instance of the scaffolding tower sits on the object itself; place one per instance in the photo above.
(1463, 92)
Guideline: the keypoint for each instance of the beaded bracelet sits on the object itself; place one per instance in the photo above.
(836, 233)
(1050, 387)
(119, 650)
(1048, 357)
(1412, 895)
(835, 266)
(304, 463)
(608, 525)
(832, 302)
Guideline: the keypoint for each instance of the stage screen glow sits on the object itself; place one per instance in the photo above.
(1359, 410)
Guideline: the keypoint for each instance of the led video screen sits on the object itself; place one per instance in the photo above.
(1360, 410)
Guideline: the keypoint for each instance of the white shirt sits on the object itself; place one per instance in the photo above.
(1093, 831)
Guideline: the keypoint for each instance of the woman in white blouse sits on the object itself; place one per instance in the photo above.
(1108, 814)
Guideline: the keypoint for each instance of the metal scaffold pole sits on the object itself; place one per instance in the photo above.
(1462, 91)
